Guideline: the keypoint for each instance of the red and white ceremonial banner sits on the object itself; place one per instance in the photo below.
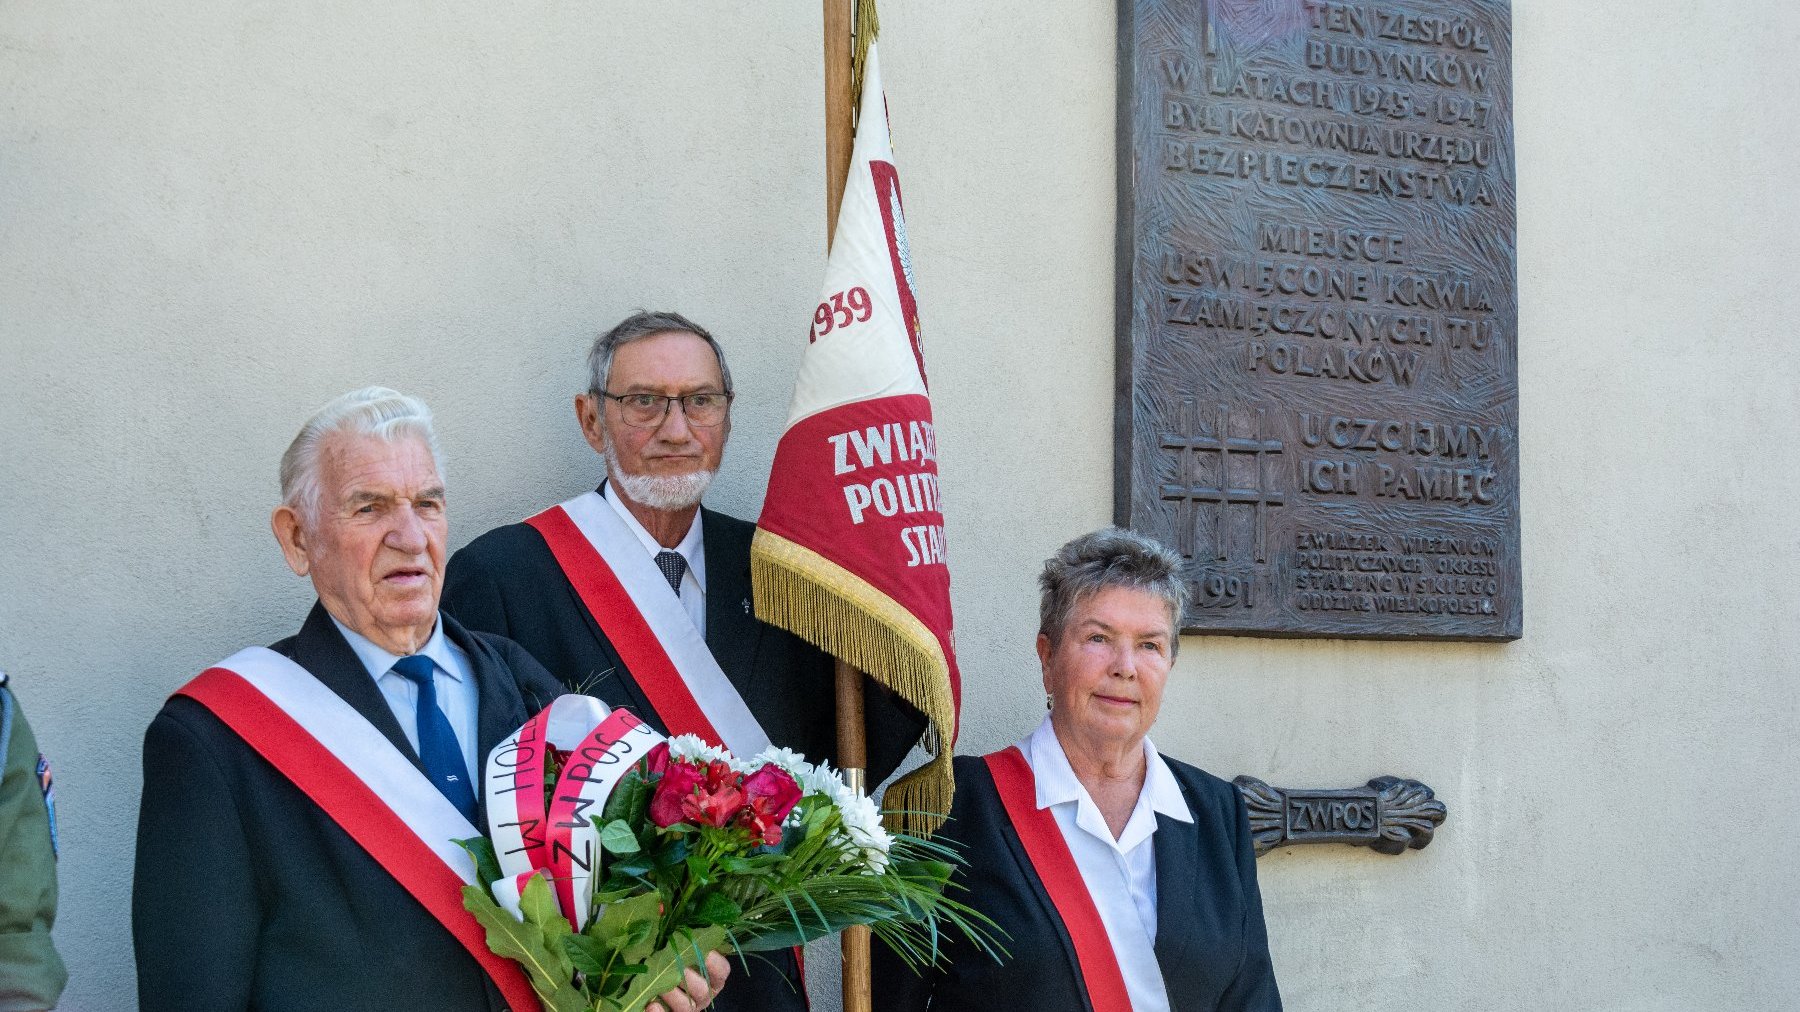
(849, 552)
(363, 783)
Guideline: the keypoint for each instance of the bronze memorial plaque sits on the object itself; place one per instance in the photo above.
(1317, 359)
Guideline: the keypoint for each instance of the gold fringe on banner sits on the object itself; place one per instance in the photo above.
(839, 612)
(868, 25)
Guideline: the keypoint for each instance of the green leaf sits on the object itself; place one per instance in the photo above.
(938, 872)
(636, 868)
(613, 895)
(638, 940)
(629, 800)
(699, 869)
(617, 837)
(665, 967)
(629, 926)
(487, 866)
(793, 836)
(718, 908)
(535, 946)
(537, 904)
(622, 914)
(800, 930)
(590, 955)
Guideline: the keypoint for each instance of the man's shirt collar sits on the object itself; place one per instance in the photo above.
(691, 546)
(379, 662)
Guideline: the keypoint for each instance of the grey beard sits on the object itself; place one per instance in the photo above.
(659, 492)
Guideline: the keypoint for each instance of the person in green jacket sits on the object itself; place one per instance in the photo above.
(31, 973)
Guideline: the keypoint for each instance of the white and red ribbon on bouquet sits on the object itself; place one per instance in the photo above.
(557, 837)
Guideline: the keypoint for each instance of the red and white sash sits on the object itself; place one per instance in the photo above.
(363, 783)
(629, 597)
(1055, 866)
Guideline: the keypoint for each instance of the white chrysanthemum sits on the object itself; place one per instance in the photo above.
(863, 829)
(693, 747)
(786, 758)
(863, 821)
(821, 779)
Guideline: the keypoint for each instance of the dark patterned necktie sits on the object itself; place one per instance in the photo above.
(673, 566)
(437, 742)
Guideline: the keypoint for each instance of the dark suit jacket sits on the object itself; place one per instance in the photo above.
(508, 582)
(1210, 940)
(247, 896)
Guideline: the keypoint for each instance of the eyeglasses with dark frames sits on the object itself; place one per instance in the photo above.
(647, 411)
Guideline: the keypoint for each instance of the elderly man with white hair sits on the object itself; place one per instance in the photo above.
(300, 802)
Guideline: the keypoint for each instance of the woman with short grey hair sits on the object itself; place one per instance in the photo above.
(1124, 879)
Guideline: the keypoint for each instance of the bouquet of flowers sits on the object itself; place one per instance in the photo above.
(616, 859)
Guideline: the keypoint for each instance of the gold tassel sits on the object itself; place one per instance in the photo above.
(919, 802)
(842, 614)
(868, 25)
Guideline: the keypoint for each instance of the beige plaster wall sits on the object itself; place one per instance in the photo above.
(214, 216)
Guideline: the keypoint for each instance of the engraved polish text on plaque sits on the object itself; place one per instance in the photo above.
(1318, 393)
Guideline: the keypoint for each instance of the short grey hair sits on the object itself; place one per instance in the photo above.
(1109, 557)
(636, 327)
(372, 411)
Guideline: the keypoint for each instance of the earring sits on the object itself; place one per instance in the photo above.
(1049, 701)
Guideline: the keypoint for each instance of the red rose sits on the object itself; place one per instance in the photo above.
(656, 762)
(679, 781)
(770, 794)
(776, 790)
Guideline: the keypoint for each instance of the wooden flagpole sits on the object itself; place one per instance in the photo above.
(840, 108)
(852, 748)
(852, 753)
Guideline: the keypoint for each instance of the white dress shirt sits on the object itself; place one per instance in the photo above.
(453, 678)
(692, 548)
(1120, 874)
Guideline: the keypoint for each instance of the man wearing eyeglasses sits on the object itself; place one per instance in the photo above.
(637, 594)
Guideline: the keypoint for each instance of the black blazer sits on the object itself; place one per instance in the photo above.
(247, 896)
(1210, 941)
(508, 582)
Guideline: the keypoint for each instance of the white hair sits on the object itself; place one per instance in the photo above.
(372, 411)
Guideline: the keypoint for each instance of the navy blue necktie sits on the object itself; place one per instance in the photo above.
(437, 742)
(673, 566)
